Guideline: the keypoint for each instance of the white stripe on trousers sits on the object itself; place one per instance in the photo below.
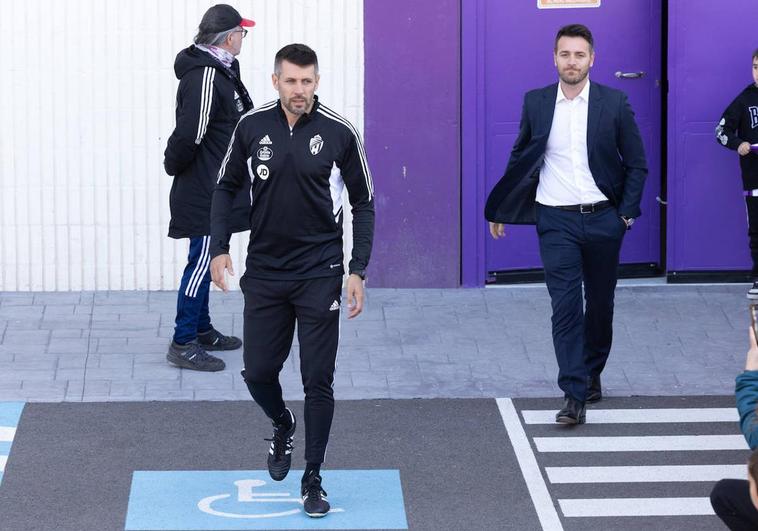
(200, 269)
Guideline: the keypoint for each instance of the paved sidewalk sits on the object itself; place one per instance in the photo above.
(493, 342)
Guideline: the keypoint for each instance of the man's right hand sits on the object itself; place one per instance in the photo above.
(497, 230)
(219, 265)
(744, 148)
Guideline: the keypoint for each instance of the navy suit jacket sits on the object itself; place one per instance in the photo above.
(614, 151)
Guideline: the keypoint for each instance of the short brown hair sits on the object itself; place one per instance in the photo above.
(297, 54)
(575, 30)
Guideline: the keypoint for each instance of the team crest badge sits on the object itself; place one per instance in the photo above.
(265, 153)
(316, 144)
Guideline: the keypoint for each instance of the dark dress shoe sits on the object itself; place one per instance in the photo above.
(573, 412)
(594, 390)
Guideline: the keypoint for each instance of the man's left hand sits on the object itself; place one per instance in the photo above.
(355, 295)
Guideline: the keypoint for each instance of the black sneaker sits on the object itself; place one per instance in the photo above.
(280, 452)
(315, 503)
(215, 340)
(193, 356)
(752, 293)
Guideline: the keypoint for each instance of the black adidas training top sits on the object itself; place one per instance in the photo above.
(297, 180)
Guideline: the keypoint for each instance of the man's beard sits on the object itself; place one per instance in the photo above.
(298, 111)
(581, 76)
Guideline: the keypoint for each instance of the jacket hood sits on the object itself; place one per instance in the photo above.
(191, 58)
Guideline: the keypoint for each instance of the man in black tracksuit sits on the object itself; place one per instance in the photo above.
(299, 155)
(737, 130)
(209, 102)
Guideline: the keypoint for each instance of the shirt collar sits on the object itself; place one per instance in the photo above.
(584, 94)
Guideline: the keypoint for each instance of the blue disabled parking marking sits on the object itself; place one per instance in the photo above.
(209, 500)
(10, 413)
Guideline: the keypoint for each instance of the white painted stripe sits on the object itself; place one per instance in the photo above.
(636, 507)
(7, 433)
(543, 503)
(651, 443)
(644, 474)
(3, 461)
(641, 416)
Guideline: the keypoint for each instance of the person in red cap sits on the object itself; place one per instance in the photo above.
(209, 102)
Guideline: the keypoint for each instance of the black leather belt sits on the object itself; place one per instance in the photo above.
(586, 208)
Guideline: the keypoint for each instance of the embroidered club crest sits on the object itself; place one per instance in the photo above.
(316, 144)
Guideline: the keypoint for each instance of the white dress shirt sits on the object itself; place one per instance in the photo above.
(565, 177)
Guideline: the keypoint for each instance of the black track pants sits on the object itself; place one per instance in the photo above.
(271, 309)
(730, 499)
(752, 231)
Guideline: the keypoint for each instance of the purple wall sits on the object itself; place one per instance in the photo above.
(709, 63)
(412, 130)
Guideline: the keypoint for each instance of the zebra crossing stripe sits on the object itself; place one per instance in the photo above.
(643, 474)
(530, 469)
(589, 507)
(651, 443)
(3, 461)
(641, 416)
(7, 433)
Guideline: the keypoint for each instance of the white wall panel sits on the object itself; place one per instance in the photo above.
(87, 104)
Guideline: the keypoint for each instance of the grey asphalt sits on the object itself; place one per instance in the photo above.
(72, 464)
(414, 343)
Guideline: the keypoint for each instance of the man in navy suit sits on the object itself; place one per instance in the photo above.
(577, 170)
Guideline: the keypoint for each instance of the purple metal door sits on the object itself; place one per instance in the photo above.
(507, 50)
(710, 51)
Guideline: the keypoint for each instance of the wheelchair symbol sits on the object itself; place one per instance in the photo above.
(245, 494)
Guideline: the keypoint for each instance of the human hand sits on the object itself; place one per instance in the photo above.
(355, 295)
(219, 265)
(497, 230)
(744, 148)
(751, 364)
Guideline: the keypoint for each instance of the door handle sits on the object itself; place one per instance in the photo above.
(629, 75)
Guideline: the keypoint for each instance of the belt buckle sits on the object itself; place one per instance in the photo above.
(591, 208)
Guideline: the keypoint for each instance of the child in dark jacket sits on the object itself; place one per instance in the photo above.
(738, 130)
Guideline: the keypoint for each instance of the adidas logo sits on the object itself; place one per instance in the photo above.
(334, 307)
(265, 141)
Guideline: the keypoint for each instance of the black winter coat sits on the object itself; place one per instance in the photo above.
(209, 102)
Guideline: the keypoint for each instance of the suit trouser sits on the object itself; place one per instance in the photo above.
(192, 315)
(730, 499)
(271, 309)
(580, 249)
